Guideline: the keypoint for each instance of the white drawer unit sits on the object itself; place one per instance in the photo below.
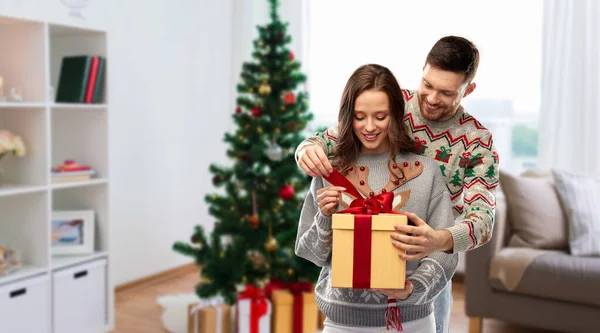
(79, 297)
(24, 306)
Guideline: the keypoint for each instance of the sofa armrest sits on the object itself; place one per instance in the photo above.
(477, 287)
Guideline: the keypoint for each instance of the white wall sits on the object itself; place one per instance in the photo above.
(171, 79)
(171, 97)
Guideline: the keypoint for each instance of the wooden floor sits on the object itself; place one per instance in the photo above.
(137, 312)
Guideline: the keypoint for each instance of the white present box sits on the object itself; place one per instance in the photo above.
(244, 308)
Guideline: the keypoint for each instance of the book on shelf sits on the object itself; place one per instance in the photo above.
(81, 79)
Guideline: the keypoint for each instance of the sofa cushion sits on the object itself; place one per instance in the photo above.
(534, 213)
(560, 276)
(580, 197)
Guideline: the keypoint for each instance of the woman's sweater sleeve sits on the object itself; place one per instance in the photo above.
(314, 237)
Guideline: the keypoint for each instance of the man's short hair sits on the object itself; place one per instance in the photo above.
(455, 54)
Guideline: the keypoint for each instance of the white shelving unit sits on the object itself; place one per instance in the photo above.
(57, 290)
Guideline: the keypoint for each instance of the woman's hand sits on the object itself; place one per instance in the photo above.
(399, 294)
(328, 199)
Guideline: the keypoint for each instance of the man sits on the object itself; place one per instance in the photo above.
(464, 149)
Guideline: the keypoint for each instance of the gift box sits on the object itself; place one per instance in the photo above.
(321, 321)
(294, 307)
(211, 316)
(253, 311)
(443, 154)
(373, 261)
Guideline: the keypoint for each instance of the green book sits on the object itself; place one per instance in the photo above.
(72, 82)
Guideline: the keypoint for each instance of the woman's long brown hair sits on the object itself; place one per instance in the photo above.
(370, 77)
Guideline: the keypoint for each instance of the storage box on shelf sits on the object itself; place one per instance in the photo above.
(52, 289)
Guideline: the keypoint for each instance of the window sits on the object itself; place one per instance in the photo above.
(344, 34)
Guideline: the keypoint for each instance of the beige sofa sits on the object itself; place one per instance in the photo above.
(526, 274)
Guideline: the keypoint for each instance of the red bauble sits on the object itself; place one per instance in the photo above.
(292, 55)
(289, 98)
(238, 109)
(256, 112)
(286, 192)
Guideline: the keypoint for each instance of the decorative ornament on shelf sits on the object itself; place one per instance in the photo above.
(75, 7)
(289, 98)
(274, 152)
(264, 89)
(10, 261)
(286, 192)
(2, 96)
(10, 144)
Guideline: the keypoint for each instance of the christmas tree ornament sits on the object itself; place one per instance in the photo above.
(238, 109)
(259, 130)
(194, 239)
(289, 98)
(222, 254)
(250, 90)
(271, 244)
(292, 126)
(277, 131)
(290, 272)
(256, 112)
(253, 219)
(274, 152)
(216, 180)
(292, 56)
(226, 240)
(261, 43)
(286, 192)
(264, 89)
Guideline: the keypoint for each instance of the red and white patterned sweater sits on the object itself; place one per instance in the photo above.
(467, 157)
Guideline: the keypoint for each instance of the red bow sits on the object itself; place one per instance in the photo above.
(381, 203)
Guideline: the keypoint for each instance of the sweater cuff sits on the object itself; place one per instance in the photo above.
(463, 237)
(323, 222)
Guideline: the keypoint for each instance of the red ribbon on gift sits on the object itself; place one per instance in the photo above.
(364, 209)
(258, 305)
(296, 289)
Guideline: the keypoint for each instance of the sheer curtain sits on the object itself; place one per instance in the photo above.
(570, 101)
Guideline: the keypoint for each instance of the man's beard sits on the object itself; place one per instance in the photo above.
(441, 113)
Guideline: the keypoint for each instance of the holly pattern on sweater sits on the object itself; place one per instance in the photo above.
(468, 159)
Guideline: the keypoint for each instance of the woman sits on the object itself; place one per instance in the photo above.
(376, 154)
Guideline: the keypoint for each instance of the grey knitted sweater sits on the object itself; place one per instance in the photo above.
(423, 193)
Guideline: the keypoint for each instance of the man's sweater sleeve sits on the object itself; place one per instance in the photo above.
(435, 270)
(474, 226)
(314, 237)
(327, 140)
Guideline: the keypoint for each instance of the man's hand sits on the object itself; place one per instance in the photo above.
(399, 294)
(420, 239)
(314, 162)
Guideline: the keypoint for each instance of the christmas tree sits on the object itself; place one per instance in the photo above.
(257, 212)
